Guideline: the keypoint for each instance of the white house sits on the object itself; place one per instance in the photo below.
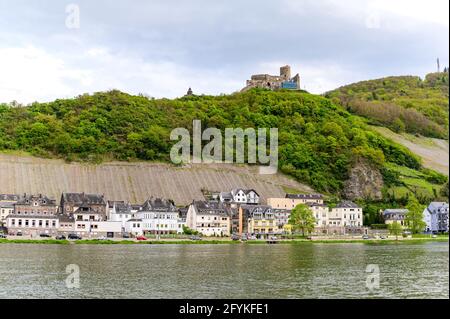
(436, 217)
(321, 213)
(92, 223)
(398, 215)
(119, 211)
(7, 202)
(240, 196)
(134, 227)
(348, 213)
(159, 216)
(209, 218)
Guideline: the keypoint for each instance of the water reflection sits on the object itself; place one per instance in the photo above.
(224, 271)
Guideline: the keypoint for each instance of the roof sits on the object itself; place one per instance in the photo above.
(122, 208)
(134, 220)
(112, 202)
(159, 205)
(395, 211)
(316, 205)
(80, 199)
(211, 207)
(182, 212)
(9, 197)
(347, 204)
(249, 210)
(246, 191)
(304, 196)
(87, 210)
(41, 199)
(226, 195)
(435, 206)
(63, 218)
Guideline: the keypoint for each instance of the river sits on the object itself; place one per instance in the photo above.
(226, 271)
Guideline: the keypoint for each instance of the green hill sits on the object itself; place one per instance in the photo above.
(401, 103)
(319, 141)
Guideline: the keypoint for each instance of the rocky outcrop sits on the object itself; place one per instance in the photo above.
(365, 182)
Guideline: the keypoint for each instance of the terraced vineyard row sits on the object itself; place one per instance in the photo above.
(135, 182)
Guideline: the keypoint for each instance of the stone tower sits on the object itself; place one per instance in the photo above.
(285, 72)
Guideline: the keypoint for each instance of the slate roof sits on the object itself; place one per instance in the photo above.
(122, 208)
(158, 205)
(63, 218)
(347, 204)
(9, 197)
(41, 199)
(436, 206)
(250, 210)
(394, 211)
(80, 199)
(211, 207)
(87, 210)
(304, 196)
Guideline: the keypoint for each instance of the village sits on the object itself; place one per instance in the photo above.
(238, 214)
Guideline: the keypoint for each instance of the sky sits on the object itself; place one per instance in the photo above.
(52, 49)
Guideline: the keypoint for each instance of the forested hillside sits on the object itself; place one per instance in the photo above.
(402, 103)
(319, 140)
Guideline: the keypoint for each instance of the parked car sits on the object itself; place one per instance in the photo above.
(102, 238)
(244, 238)
(44, 235)
(19, 233)
(2, 236)
(365, 237)
(383, 237)
(125, 235)
(141, 238)
(60, 237)
(196, 238)
(74, 236)
(234, 237)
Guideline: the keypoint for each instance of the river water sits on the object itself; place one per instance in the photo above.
(226, 271)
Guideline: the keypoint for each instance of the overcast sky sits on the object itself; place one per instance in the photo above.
(160, 48)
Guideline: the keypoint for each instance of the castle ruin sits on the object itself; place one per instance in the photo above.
(275, 82)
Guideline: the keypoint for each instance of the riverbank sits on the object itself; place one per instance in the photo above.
(224, 241)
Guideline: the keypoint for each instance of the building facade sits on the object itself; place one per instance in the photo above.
(257, 220)
(33, 215)
(436, 217)
(7, 202)
(392, 215)
(209, 218)
(240, 196)
(91, 223)
(70, 202)
(292, 200)
(159, 216)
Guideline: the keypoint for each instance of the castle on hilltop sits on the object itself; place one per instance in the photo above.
(275, 82)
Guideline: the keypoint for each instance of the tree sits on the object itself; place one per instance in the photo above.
(302, 219)
(414, 217)
(395, 229)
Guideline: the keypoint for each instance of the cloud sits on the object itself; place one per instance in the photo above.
(160, 48)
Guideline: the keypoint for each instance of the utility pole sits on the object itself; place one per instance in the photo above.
(438, 65)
